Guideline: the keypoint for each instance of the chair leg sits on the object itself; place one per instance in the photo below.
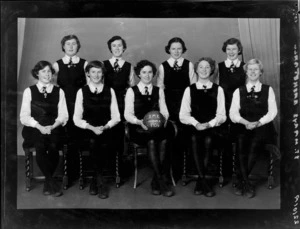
(234, 175)
(221, 178)
(172, 178)
(118, 180)
(135, 168)
(271, 177)
(65, 176)
(81, 181)
(184, 178)
(28, 168)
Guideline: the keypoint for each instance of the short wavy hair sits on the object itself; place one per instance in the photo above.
(254, 61)
(114, 38)
(141, 64)
(39, 66)
(70, 37)
(212, 64)
(175, 40)
(232, 41)
(95, 64)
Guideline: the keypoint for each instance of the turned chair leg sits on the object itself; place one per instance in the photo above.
(28, 168)
(65, 176)
(271, 177)
(135, 168)
(118, 179)
(184, 178)
(81, 179)
(221, 178)
(234, 175)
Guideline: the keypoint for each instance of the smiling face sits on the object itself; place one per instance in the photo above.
(253, 72)
(203, 70)
(96, 75)
(71, 47)
(146, 74)
(232, 52)
(176, 50)
(117, 48)
(45, 75)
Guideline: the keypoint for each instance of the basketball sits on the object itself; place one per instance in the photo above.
(154, 120)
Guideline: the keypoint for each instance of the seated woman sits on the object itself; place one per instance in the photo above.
(96, 112)
(139, 100)
(43, 112)
(253, 108)
(203, 109)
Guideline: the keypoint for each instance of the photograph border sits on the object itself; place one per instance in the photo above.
(286, 217)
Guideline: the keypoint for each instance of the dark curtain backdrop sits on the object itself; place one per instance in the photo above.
(39, 39)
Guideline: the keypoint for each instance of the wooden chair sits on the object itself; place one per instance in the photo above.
(29, 166)
(186, 175)
(84, 172)
(274, 154)
(141, 150)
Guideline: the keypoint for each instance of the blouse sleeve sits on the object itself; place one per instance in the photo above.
(185, 109)
(63, 114)
(114, 110)
(220, 113)
(160, 78)
(234, 112)
(129, 107)
(78, 111)
(272, 108)
(25, 113)
(162, 104)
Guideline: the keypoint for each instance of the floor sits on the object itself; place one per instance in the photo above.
(125, 197)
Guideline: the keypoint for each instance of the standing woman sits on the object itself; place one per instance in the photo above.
(203, 110)
(231, 76)
(96, 112)
(139, 100)
(175, 74)
(43, 112)
(119, 76)
(71, 77)
(253, 108)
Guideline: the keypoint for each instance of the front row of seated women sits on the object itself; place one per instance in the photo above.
(253, 108)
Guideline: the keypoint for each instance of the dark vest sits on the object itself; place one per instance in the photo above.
(230, 81)
(143, 103)
(71, 79)
(117, 81)
(96, 107)
(176, 80)
(204, 103)
(252, 109)
(44, 110)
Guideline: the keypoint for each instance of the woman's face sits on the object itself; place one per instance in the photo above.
(232, 52)
(45, 75)
(117, 48)
(95, 75)
(146, 74)
(71, 47)
(204, 69)
(253, 72)
(176, 50)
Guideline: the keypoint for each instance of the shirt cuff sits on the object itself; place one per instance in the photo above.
(194, 123)
(212, 122)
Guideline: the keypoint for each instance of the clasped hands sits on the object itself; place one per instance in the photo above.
(252, 125)
(202, 126)
(98, 129)
(45, 129)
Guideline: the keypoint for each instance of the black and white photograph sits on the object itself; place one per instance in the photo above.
(150, 114)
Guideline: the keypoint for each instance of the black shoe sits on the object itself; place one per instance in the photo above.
(102, 192)
(239, 189)
(55, 188)
(93, 187)
(198, 188)
(46, 189)
(207, 189)
(155, 187)
(165, 188)
(249, 190)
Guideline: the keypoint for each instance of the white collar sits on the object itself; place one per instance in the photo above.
(93, 87)
(257, 86)
(171, 61)
(236, 62)
(200, 85)
(141, 86)
(75, 59)
(40, 85)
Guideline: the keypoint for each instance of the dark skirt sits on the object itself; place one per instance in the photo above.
(265, 133)
(140, 136)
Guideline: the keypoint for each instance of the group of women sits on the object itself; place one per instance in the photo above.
(94, 99)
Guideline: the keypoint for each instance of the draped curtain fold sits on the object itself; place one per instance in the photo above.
(260, 39)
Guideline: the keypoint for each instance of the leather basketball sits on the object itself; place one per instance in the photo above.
(154, 120)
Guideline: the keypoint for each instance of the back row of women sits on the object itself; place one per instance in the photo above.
(99, 96)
